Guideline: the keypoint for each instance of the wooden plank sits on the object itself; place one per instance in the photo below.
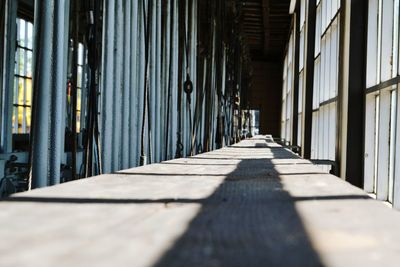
(252, 204)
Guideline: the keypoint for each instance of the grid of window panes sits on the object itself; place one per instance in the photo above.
(302, 54)
(287, 92)
(22, 102)
(325, 79)
(382, 133)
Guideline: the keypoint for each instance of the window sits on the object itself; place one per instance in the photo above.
(326, 58)
(301, 71)
(382, 108)
(22, 102)
(287, 92)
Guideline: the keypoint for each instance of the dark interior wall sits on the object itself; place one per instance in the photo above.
(265, 95)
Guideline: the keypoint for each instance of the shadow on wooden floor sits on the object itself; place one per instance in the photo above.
(250, 220)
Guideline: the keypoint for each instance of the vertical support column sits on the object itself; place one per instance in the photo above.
(295, 105)
(107, 85)
(65, 77)
(352, 94)
(117, 86)
(48, 83)
(309, 80)
(134, 88)
(8, 76)
(56, 146)
(158, 88)
(2, 54)
(127, 85)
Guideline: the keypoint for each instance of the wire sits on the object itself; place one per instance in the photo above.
(147, 25)
(171, 43)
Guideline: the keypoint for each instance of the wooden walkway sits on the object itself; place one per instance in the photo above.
(253, 204)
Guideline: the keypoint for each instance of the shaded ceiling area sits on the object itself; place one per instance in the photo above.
(266, 26)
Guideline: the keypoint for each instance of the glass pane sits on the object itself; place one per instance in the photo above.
(20, 118)
(28, 119)
(21, 62)
(21, 91)
(28, 96)
(15, 90)
(28, 63)
(21, 33)
(29, 41)
(14, 120)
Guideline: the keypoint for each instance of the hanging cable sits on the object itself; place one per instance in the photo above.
(147, 25)
(188, 84)
(181, 23)
(170, 72)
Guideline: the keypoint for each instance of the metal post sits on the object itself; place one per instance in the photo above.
(44, 50)
(295, 104)
(126, 85)
(107, 85)
(309, 81)
(8, 72)
(158, 88)
(67, 5)
(118, 87)
(2, 44)
(58, 84)
(134, 92)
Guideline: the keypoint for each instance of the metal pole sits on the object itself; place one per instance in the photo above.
(43, 77)
(8, 72)
(107, 86)
(134, 81)
(118, 87)
(126, 85)
(56, 146)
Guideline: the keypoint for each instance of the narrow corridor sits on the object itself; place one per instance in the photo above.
(250, 204)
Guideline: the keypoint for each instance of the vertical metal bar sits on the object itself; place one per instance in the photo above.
(56, 146)
(67, 6)
(43, 76)
(181, 21)
(141, 80)
(84, 89)
(8, 78)
(295, 92)
(107, 85)
(134, 81)
(2, 54)
(127, 85)
(169, 24)
(158, 88)
(309, 80)
(118, 86)
(164, 80)
(175, 63)
(356, 92)
(153, 116)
